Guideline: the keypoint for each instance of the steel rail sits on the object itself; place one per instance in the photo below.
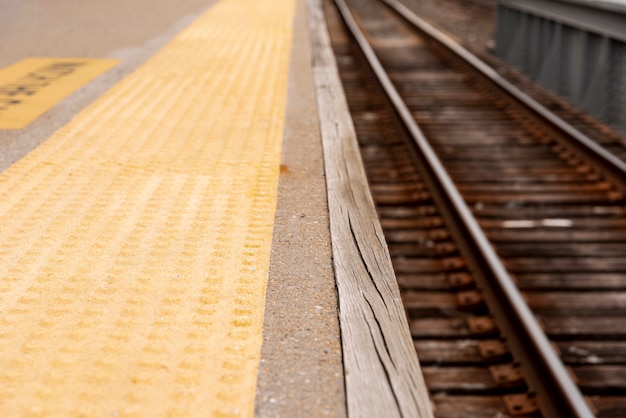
(599, 154)
(557, 394)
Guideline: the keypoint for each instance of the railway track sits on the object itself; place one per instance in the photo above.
(553, 212)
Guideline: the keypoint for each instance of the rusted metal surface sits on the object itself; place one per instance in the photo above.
(555, 218)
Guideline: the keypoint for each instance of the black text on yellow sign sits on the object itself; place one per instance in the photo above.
(32, 86)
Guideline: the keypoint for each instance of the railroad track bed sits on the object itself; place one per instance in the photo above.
(555, 217)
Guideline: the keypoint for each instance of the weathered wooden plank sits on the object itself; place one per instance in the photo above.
(431, 304)
(464, 406)
(440, 328)
(458, 352)
(407, 211)
(592, 352)
(609, 406)
(602, 377)
(564, 303)
(419, 281)
(414, 249)
(536, 235)
(421, 265)
(578, 223)
(466, 379)
(405, 223)
(568, 281)
(584, 327)
(543, 264)
(542, 211)
(383, 377)
(481, 326)
(564, 249)
(408, 236)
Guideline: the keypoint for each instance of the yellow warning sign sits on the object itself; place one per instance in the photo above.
(32, 86)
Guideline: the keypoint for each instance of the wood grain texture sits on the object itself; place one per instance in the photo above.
(383, 377)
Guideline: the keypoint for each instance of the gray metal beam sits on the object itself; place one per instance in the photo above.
(572, 49)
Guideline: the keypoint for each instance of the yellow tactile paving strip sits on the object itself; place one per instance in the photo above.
(32, 86)
(135, 242)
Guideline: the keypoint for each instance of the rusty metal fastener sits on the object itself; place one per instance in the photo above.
(457, 280)
(439, 234)
(493, 349)
(470, 299)
(481, 325)
(506, 374)
(453, 263)
(446, 248)
(521, 404)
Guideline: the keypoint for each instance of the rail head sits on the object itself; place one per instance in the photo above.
(557, 394)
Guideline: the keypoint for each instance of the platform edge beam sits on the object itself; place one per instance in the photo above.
(382, 372)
